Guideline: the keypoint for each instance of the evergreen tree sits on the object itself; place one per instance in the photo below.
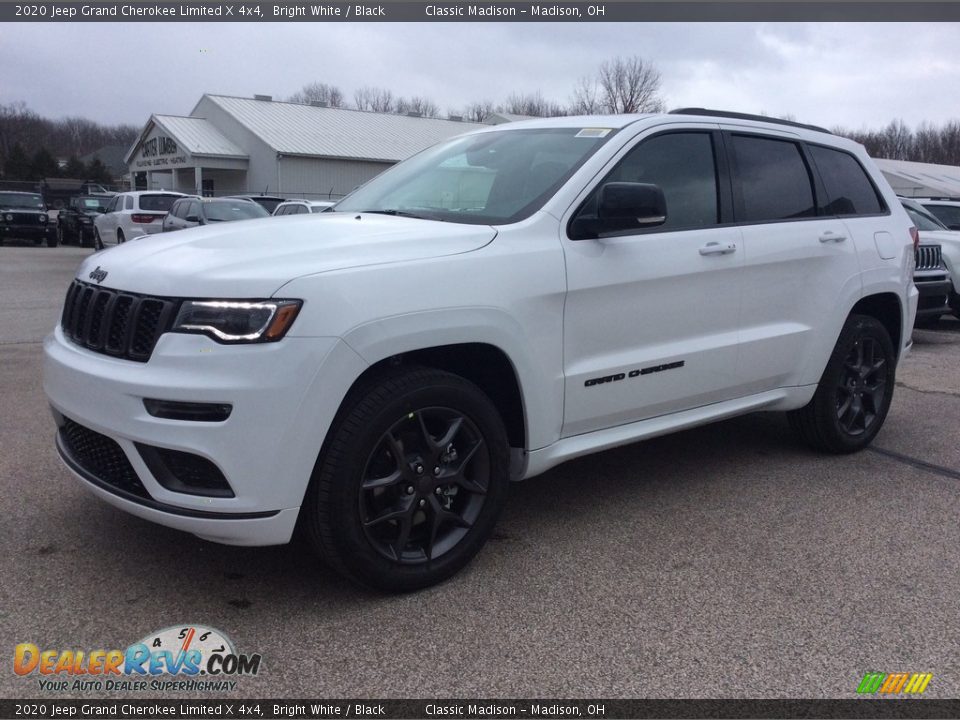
(17, 164)
(43, 165)
(75, 168)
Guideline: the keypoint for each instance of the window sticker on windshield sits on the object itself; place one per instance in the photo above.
(593, 132)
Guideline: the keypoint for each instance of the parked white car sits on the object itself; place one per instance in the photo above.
(934, 231)
(130, 215)
(946, 211)
(483, 311)
(302, 207)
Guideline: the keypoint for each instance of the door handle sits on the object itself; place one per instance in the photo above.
(830, 236)
(715, 248)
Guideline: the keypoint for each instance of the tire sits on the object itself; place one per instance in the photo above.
(60, 237)
(955, 304)
(855, 390)
(97, 242)
(53, 240)
(120, 237)
(400, 525)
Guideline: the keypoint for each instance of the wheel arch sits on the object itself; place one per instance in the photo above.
(886, 308)
(485, 365)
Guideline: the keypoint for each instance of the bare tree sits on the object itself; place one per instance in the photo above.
(319, 92)
(373, 99)
(478, 111)
(417, 104)
(532, 104)
(629, 85)
(586, 97)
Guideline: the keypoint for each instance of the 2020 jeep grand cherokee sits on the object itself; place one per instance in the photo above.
(481, 312)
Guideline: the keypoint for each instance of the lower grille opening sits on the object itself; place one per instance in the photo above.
(185, 472)
(102, 457)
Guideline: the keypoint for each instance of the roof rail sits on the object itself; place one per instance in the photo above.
(745, 116)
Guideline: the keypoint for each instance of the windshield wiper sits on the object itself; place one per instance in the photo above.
(402, 213)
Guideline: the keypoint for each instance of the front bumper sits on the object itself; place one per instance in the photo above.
(266, 448)
(934, 296)
(26, 232)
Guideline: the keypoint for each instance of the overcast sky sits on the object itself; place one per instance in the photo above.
(857, 75)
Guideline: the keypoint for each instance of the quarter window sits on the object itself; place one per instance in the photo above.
(773, 178)
(849, 190)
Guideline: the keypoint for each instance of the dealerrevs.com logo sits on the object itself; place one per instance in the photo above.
(181, 657)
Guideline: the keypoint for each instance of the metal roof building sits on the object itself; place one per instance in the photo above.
(230, 145)
(914, 179)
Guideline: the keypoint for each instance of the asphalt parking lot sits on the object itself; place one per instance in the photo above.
(727, 561)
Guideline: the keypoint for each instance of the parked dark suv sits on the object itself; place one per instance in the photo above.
(75, 221)
(24, 216)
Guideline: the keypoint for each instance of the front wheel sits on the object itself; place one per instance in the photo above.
(855, 390)
(955, 304)
(410, 480)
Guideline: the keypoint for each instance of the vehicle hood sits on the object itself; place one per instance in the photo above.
(942, 237)
(254, 258)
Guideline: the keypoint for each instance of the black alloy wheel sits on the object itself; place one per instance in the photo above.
(410, 480)
(862, 386)
(855, 391)
(424, 485)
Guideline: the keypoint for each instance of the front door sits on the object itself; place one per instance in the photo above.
(652, 315)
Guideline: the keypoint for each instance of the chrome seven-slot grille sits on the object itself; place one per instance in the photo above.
(115, 323)
(928, 257)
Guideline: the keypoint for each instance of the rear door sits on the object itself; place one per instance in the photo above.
(801, 264)
(651, 317)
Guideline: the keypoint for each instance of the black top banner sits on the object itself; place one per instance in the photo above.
(459, 11)
(493, 709)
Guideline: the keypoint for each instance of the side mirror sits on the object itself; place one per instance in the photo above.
(101, 209)
(627, 205)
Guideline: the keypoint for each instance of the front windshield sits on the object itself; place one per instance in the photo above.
(489, 178)
(89, 203)
(923, 220)
(226, 210)
(18, 200)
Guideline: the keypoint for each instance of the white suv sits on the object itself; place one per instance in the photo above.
(131, 215)
(493, 306)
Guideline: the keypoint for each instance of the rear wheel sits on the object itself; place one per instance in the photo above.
(410, 481)
(854, 392)
(955, 304)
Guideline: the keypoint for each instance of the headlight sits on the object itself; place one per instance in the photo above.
(43, 217)
(231, 321)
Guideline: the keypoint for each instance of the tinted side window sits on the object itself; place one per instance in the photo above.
(683, 165)
(773, 179)
(849, 190)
